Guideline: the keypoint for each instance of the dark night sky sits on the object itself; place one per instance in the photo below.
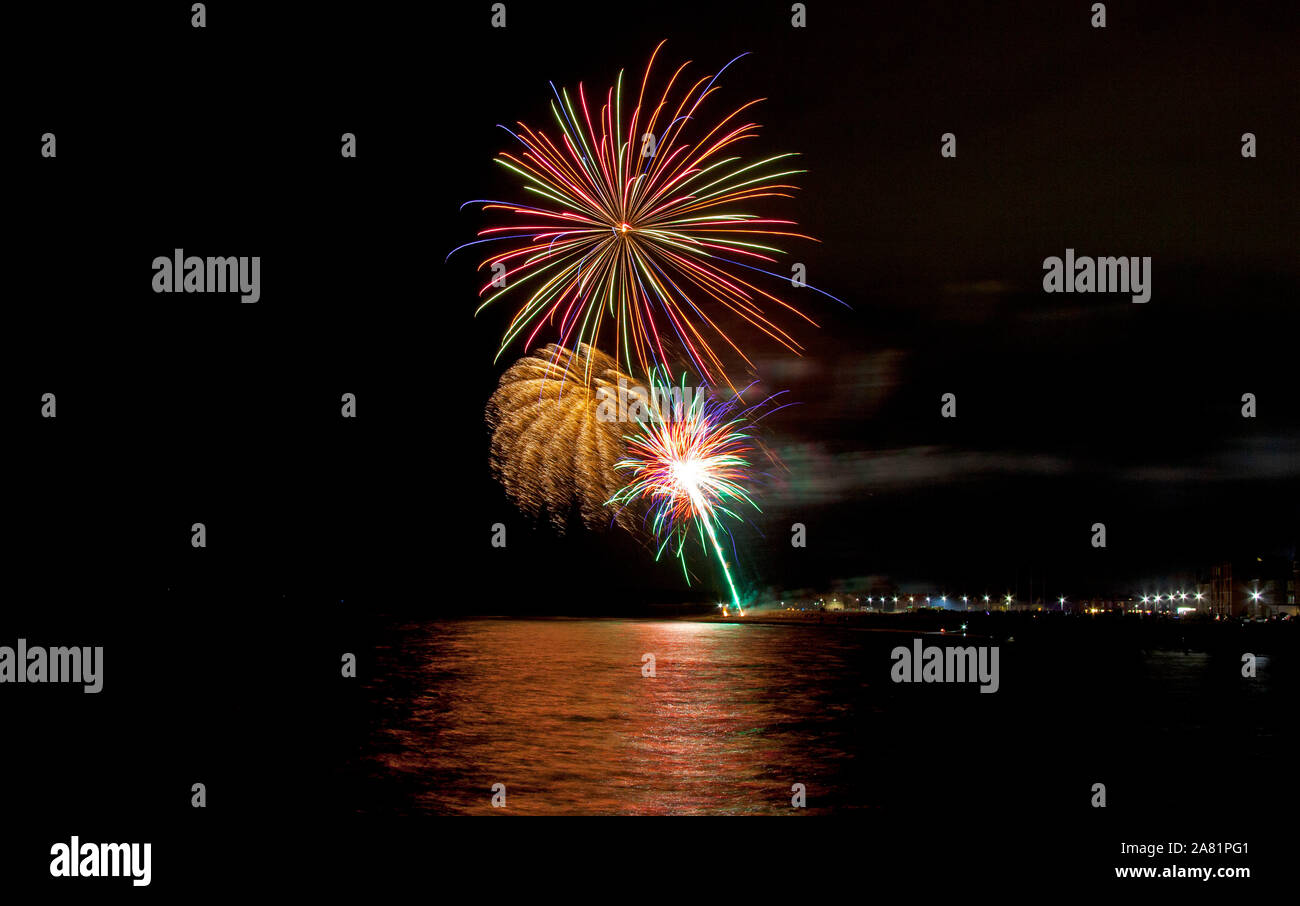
(1072, 409)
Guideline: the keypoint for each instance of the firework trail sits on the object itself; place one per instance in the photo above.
(556, 436)
(690, 464)
(637, 217)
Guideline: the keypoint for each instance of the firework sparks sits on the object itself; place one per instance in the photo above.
(689, 465)
(556, 435)
(638, 216)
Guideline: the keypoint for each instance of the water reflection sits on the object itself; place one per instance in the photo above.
(559, 712)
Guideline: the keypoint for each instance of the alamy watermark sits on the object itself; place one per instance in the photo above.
(192, 274)
(102, 860)
(54, 665)
(946, 664)
(636, 403)
(1098, 275)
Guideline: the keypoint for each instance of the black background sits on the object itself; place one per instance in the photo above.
(222, 663)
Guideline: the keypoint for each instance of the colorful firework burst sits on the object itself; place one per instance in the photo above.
(689, 465)
(639, 220)
(556, 435)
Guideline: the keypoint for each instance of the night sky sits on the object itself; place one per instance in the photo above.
(1072, 408)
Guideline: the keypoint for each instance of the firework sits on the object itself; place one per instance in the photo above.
(636, 231)
(556, 435)
(690, 464)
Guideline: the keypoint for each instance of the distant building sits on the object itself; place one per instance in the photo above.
(1293, 588)
(1221, 589)
(1253, 587)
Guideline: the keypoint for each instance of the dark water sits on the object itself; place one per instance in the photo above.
(559, 712)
